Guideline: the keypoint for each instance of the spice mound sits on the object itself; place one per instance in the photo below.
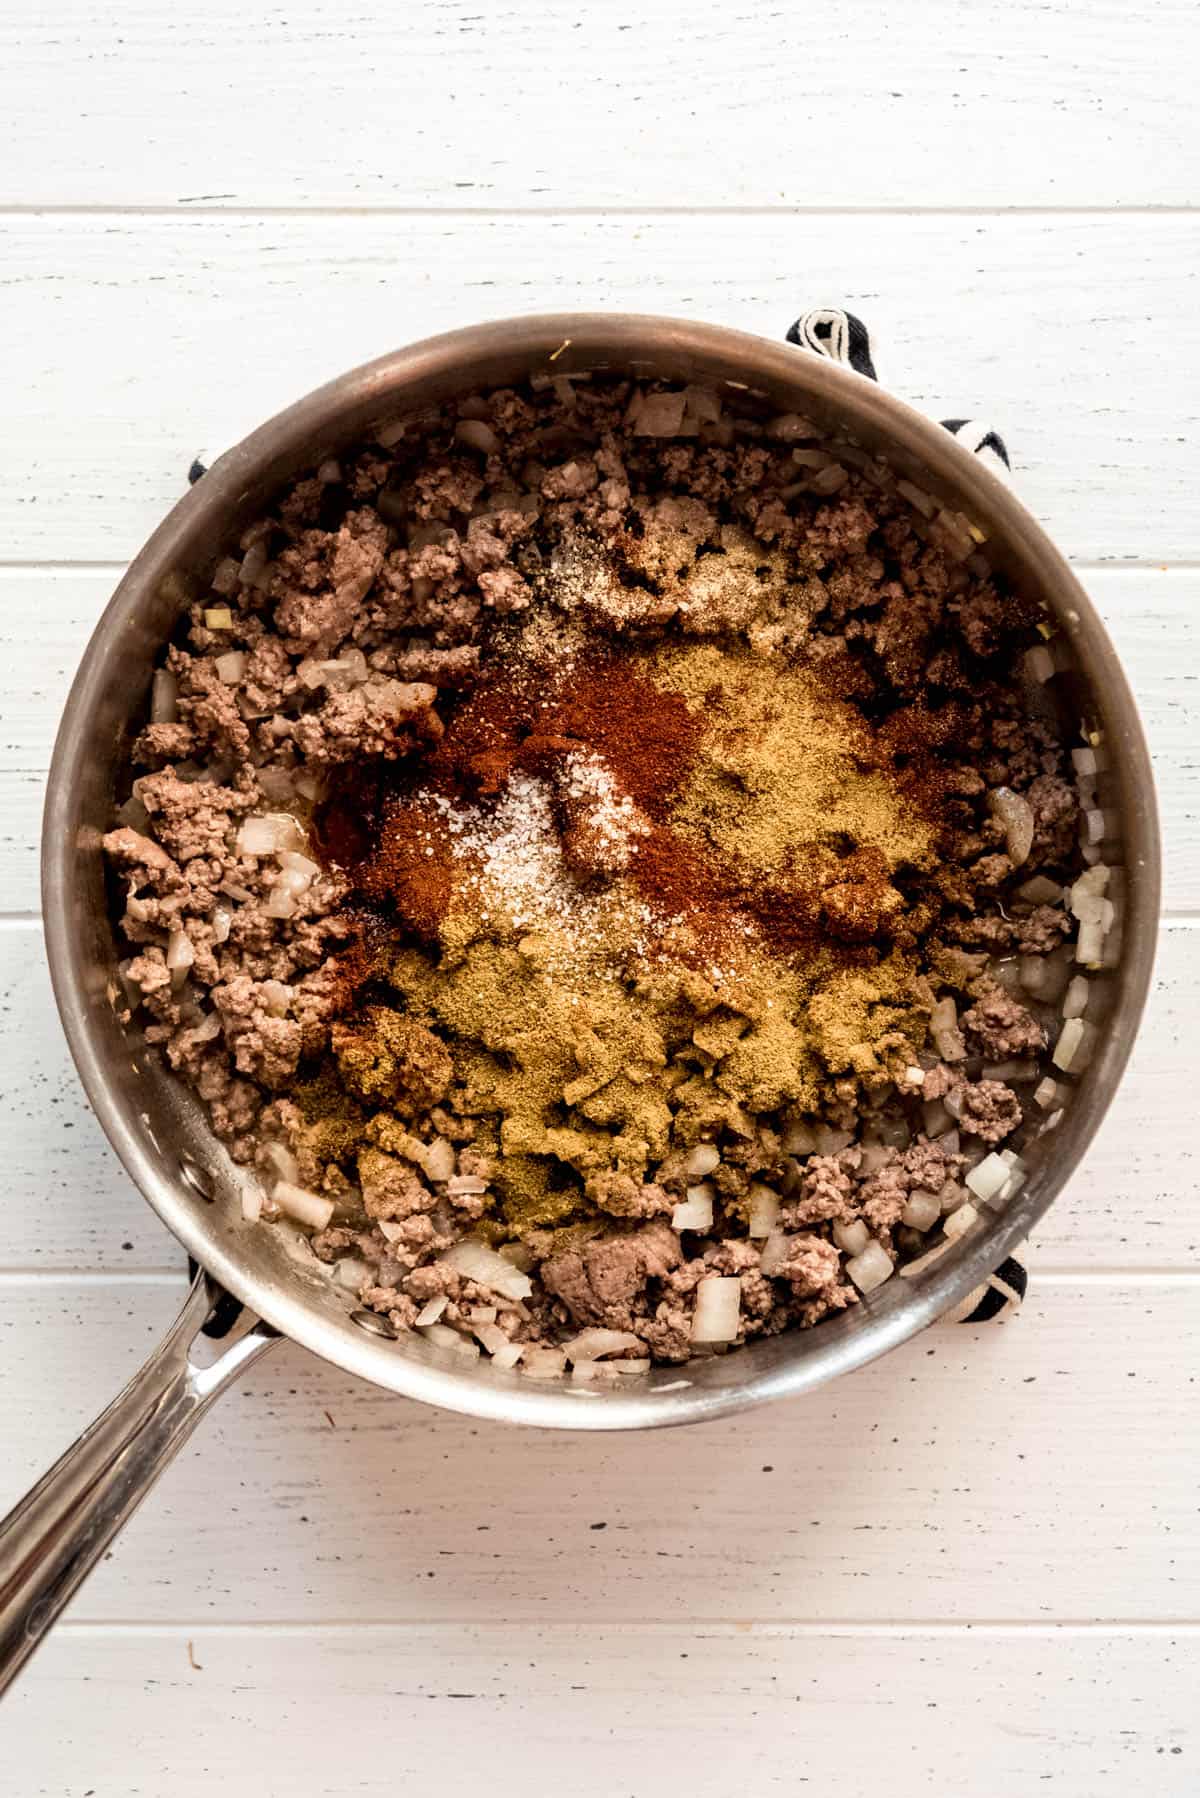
(609, 863)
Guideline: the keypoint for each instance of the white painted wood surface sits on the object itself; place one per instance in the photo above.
(973, 1568)
(600, 1711)
(1016, 1474)
(140, 339)
(435, 103)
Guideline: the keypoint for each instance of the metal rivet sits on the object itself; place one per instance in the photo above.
(197, 1179)
(374, 1324)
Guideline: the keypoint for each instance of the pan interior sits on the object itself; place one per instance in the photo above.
(159, 1129)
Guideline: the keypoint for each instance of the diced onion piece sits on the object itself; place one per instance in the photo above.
(442, 1334)
(959, 1222)
(289, 887)
(936, 1117)
(1074, 1046)
(1016, 815)
(917, 497)
(764, 1211)
(832, 1142)
(1089, 949)
(164, 693)
(1088, 892)
(180, 952)
(948, 1142)
(593, 1345)
(853, 1237)
(641, 1365)
(1075, 1003)
(491, 1335)
(351, 1272)
(222, 918)
(1046, 1093)
(463, 1186)
(306, 1207)
(132, 988)
(1045, 976)
(1012, 1186)
(282, 1161)
(1006, 972)
(350, 669)
(303, 865)
(267, 833)
(943, 1027)
(922, 1210)
(180, 956)
(1040, 890)
(775, 1252)
(660, 415)
(218, 618)
(477, 435)
(279, 903)
(587, 1370)
(1039, 663)
(1092, 827)
(871, 1268)
(702, 1160)
(252, 1202)
(431, 1310)
(543, 1363)
(987, 1177)
(799, 1139)
(389, 1230)
(438, 1159)
(253, 562)
(508, 1356)
(695, 1212)
(1085, 763)
(476, 1260)
(277, 996)
(718, 1308)
(1088, 908)
(446, 1338)
(702, 405)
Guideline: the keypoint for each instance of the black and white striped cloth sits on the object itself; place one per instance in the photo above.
(843, 338)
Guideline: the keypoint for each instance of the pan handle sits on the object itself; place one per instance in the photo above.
(53, 1538)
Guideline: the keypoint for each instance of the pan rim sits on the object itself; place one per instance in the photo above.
(658, 341)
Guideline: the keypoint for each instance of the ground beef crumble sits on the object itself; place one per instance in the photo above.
(347, 629)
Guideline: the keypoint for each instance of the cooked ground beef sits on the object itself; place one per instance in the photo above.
(293, 894)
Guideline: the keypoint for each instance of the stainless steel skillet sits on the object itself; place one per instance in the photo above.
(250, 1290)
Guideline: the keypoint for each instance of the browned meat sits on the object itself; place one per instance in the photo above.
(599, 1283)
